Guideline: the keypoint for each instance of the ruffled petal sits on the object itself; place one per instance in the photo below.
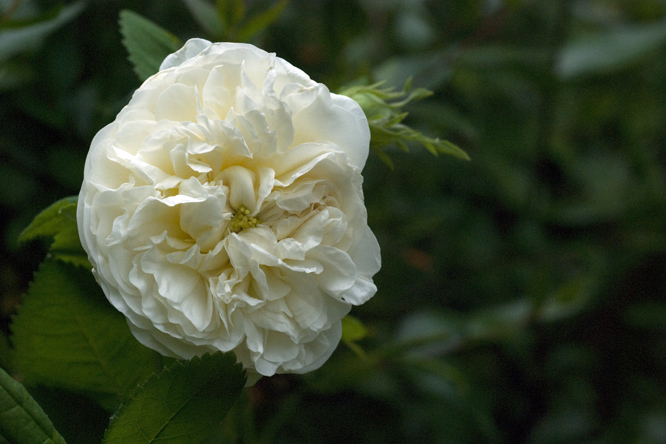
(223, 210)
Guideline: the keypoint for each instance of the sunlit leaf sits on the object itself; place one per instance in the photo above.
(58, 222)
(51, 221)
(67, 335)
(147, 43)
(182, 404)
(22, 420)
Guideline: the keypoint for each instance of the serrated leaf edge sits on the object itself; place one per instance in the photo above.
(133, 56)
(68, 200)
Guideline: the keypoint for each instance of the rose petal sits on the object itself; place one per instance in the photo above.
(224, 127)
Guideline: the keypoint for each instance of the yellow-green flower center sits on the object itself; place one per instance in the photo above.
(242, 220)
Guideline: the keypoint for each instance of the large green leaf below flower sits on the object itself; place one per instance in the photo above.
(67, 335)
(185, 403)
(22, 421)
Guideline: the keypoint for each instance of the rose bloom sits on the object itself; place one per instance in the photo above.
(223, 210)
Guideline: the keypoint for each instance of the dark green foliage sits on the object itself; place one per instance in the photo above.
(66, 335)
(184, 403)
(22, 421)
(521, 298)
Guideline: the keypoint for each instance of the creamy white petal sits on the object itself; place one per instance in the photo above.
(319, 116)
(192, 48)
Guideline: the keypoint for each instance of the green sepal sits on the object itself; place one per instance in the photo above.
(66, 335)
(58, 222)
(22, 420)
(147, 43)
(383, 107)
(184, 403)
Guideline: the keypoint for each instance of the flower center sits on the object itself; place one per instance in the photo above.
(242, 220)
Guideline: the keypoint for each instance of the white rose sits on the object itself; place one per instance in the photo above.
(223, 210)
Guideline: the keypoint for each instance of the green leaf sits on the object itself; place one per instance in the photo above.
(604, 52)
(57, 217)
(205, 13)
(22, 421)
(183, 404)
(58, 222)
(14, 40)
(353, 329)
(383, 109)
(147, 43)
(66, 335)
(261, 21)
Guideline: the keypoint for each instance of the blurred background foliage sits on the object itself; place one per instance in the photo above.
(521, 294)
